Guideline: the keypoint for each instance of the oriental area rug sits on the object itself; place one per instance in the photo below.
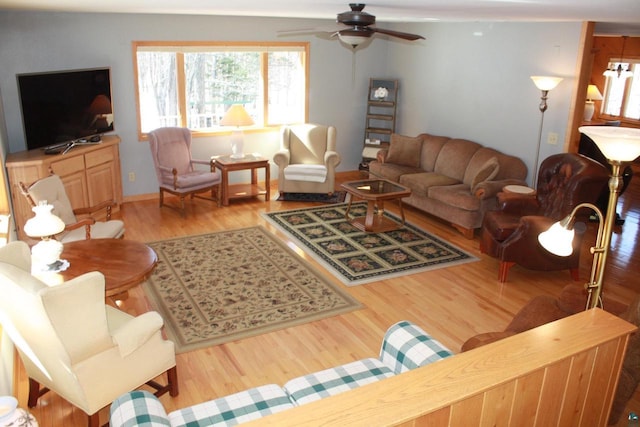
(224, 286)
(356, 257)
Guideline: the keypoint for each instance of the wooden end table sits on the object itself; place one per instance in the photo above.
(251, 162)
(124, 263)
(375, 192)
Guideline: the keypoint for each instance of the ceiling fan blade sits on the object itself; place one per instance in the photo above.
(399, 34)
(327, 29)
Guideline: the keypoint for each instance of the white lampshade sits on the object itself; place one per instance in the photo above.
(557, 239)
(546, 82)
(45, 223)
(593, 94)
(236, 115)
(352, 40)
(616, 143)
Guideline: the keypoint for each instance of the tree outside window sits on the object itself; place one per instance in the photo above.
(193, 85)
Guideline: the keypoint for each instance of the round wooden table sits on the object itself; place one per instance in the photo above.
(124, 263)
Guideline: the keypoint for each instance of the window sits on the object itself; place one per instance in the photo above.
(192, 85)
(622, 95)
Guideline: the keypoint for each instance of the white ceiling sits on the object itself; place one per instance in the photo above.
(621, 13)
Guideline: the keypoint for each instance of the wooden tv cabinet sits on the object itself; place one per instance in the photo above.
(91, 175)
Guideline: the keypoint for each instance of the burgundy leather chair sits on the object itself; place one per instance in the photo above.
(511, 232)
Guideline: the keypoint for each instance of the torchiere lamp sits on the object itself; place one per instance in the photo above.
(620, 145)
(545, 84)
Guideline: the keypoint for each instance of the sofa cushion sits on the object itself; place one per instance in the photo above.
(431, 146)
(455, 195)
(329, 382)
(234, 409)
(391, 171)
(405, 150)
(454, 157)
(419, 183)
(487, 172)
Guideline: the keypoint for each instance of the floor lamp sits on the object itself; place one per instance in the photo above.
(620, 146)
(545, 84)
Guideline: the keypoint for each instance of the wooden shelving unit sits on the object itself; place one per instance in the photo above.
(380, 118)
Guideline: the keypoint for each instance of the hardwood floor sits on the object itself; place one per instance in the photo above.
(452, 304)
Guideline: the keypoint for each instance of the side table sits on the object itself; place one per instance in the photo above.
(251, 162)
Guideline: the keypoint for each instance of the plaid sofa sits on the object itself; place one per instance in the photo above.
(405, 346)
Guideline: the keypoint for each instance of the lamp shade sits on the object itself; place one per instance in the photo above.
(353, 37)
(546, 82)
(100, 105)
(557, 239)
(45, 223)
(236, 115)
(616, 143)
(593, 94)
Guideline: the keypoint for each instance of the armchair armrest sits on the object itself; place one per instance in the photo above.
(406, 346)
(331, 159)
(518, 204)
(282, 158)
(137, 331)
(107, 205)
(86, 223)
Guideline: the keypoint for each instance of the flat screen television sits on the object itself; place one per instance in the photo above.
(69, 106)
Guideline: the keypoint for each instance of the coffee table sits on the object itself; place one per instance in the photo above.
(375, 192)
(124, 263)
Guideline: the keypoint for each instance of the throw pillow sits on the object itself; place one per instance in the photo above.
(487, 172)
(404, 150)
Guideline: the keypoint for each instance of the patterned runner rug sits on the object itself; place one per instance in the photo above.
(224, 286)
(356, 257)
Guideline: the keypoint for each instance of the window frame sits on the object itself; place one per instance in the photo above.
(634, 64)
(189, 46)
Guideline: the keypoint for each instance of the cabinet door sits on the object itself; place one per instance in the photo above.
(102, 184)
(76, 188)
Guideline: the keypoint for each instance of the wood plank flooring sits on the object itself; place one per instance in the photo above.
(452, 304)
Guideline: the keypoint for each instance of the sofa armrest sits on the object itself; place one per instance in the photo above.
(489, 189)
(406, 346)
(132, 407)
(381, 156)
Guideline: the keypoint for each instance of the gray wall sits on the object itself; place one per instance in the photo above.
(452, 83)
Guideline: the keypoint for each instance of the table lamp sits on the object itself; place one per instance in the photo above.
(46, 253)
(620, 145)
(237, 116)
(593, 94)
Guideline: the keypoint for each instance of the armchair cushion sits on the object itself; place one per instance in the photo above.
(313, 173)
(112, 229)
(404, 150)
(77, 313)
(136, 332)
(52, 190)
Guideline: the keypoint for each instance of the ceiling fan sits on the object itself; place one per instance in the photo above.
(360, 26)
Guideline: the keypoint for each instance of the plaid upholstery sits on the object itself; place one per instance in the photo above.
(138, 408)
(336, 380)
(234, 409)
(406, 346)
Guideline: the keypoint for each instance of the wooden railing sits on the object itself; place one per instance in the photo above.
(560, 374)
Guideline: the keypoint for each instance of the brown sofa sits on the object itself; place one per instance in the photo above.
(572, 299)
(453, 179)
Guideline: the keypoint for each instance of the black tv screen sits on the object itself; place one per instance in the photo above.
(65, 106)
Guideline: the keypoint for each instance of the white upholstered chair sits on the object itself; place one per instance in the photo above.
(175, 169)
(72, 343)
(79, 224)
(307, 159)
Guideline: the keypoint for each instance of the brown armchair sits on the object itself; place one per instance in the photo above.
(511, 232)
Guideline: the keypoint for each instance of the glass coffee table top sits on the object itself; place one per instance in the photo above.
(373, 187)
